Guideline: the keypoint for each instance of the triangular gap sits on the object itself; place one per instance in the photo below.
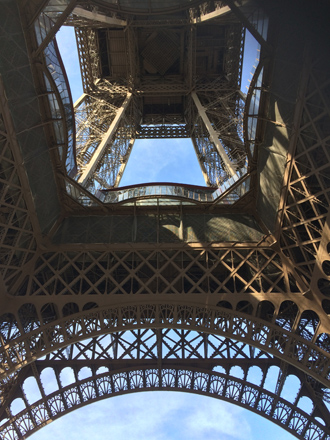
(163, 160)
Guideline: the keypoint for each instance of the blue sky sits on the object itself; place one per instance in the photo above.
(158, 415)
(161, 415)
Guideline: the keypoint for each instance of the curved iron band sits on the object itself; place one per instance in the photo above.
(63, 112)
(290, 347)
(246, 116)
(191, 199)
(198, 381)
(58, 54)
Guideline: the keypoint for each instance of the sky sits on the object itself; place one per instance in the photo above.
(158, 415)
(161, 415)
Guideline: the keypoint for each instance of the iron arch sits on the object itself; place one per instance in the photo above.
(216, 384)
(289, 346)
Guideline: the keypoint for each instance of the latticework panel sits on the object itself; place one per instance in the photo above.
(224, 115)
(308, 196)
(227, 271)
(17, 239)
(288, 334)
(87, 44)
(95, 115)
(150, 359)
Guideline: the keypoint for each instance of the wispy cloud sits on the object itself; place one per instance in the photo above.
(161, 416)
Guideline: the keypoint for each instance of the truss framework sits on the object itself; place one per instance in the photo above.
(87, 306)
(223, 153)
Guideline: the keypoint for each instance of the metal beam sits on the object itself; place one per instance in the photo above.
(230, 168)
(99, 152)
(123, 165)
(95, 16)
(201, 163)
(215, 14)
(51, 34)
(249, 26)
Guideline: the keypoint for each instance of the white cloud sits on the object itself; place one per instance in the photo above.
(161, 416)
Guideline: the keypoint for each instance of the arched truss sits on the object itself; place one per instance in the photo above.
(163, 346)
(144, 359)
(38, 340)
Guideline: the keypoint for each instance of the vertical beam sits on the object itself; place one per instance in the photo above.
(230, 168)
(100, 150)
(201, 163)
(123, 165)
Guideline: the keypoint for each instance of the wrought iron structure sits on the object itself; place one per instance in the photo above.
(213, 290)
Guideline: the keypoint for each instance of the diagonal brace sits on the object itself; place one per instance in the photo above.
(230, 168)
(100, 150)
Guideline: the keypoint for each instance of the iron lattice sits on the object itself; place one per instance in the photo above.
(99, 300)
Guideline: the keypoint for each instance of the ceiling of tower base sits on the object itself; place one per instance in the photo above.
(160, 53)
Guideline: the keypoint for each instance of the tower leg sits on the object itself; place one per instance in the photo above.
(107, 138)
(230, 167)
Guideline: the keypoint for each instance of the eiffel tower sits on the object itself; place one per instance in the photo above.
(165, 286)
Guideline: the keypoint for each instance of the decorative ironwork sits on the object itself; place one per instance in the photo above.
(211, 299)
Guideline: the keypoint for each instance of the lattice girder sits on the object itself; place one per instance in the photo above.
(224, 270)
(81, 375)
(292, 344)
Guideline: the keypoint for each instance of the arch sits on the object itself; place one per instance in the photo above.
(70, 308)
(84, 372)
(214, 384)
(323, 285)
(67, 376)
(90, 305)
(49, 380)
(326, 306)
(17, 406)
(28, 317)
(306, 404)
(308, 324)
(237, 371)
(265, 310)
(225, 304)
(291, 383)
(8, 327)
(271, 338)
(323, 341)
(287, 315)
(271, 378)
(255, 375)
(31, 384)
(245, 307)
(49, 313)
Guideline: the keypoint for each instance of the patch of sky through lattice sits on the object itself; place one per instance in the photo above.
(153, 160)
